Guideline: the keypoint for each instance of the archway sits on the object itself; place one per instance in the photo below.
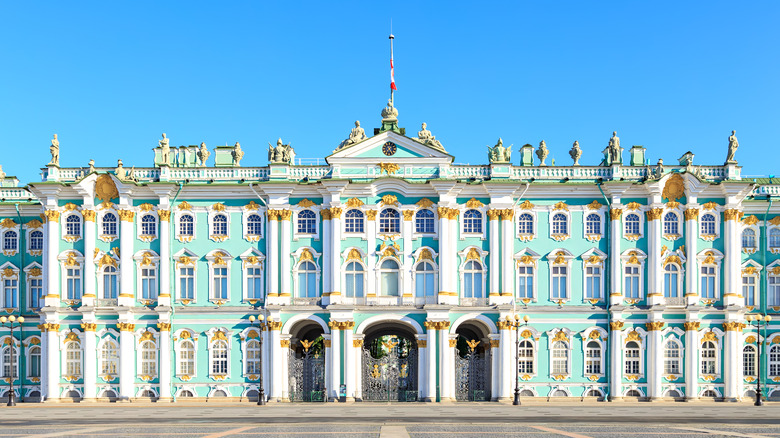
(307, 362)
(472, 362)
(390, 362)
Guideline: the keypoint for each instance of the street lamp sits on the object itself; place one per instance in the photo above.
(10, 320)
(758, 319)
(260, 392)
(517, 324)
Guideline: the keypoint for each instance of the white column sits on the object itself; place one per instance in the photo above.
(507, 256)
(507, 361)
(126, 268)
(90, 360)
(495, 365)
(349, 361)
(284, 255)
(445, 268)
(616, 364)
(654, 273)
(732, 270)
(327, 242)
(165, 361)
(691, 268)
(691, 360)
(494, 262)
(275, 383)
(731, 355)
(655, 366)
(90, 293)
(284, 368)
(328, 342)
(126, 360)
(447, 370)
(335, 362)
(273, 253)
(615, 275)
(51, 266)
(406, 269)
(266, 360)
(166, 291)
(358, 367)
(52, 364)
(430, 350)
(371, 242)
(335, 257)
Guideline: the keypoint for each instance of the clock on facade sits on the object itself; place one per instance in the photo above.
(389, 148)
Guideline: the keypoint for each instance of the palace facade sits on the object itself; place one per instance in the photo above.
(389, 273)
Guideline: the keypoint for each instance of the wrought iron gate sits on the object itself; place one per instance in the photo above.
(472, 375)
(393, 375)
(307, 376)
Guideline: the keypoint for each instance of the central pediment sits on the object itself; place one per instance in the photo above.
(389, 147)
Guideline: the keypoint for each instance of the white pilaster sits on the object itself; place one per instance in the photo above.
(275, 383)
(507, 361)
(616, 364)
(90, 361)
(655, 366)
(273, 254)
(51, 266)
(165, 361)
(507, 259)
(349, 363)
(732, 356)
(445, 268)
(494, 262)
(616, 291)
(284, 262)
(406, 269)
(732, 293)
(691, 359)
(90, 292)
(430, 375)
(447, 370)
(164, 298)
(126, 360)
(327, 248)
(126, 268)
(654, 275)
(52, 364)
(335, 257)
(691, 269)
(371, 264)
(335, 363)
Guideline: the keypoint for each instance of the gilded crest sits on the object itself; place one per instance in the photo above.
(473, 254)
(633, 206)
(388, 168)
(595, 205)
(306, 203)
(105, 189)
(252, 206)
(354, 203)
(473, 203)
(674, 188)
(526, 205)
(425, 254)
(561, 206)
(427, 203)
(184, 205)
(389, 200)
(354, 254)
(8, 223)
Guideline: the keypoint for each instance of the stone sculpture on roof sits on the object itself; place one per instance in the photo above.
(281, 153)
(613, 154)
(203, 154)
(425, 136)
(55, 151)
(542, 152)
(733, 145)
(2, 174)
(575, 153)
(237, 154)
(165, 149)
(389, 113)
(500, 154)
(357, 134)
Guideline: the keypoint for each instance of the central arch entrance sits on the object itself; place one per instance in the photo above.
(307, 363)
(472, 362)
(390, 363)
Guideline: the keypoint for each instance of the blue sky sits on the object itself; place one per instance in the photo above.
(110, 77)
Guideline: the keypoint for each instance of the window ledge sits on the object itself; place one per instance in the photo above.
(147, 237)
(219, 376)
(632, 237)
(218, 237)
(71, 238)
(525, 237)
(559, 237)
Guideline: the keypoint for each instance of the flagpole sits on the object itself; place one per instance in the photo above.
(391, 68)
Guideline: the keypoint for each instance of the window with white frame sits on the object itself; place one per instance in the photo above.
(672, 358)
(354, 221)
(186, 282)
(253, 357)
(671, 224)
(307, 222)
(10, 362)
(36, 241)
(424, 221)
(389, 275)
(354, 280)
(73, 359)
(774, 238)
(109, 358)
(186, 225)
(10, 241)
(425, 280)
(560, 279)
(34, 368)
(472, 280)
(773, 291)
(631, 224)
(472, 221)
(560, 225)
(110, 282)
(632, 356)
(109, 225)
(73, 283)
(35, 285)
(254, 225)
(708, 281)
(749, 239)
(525, 224)
(389, 221)
(525, 357)
(218, 358)
(632, 281)
(593, 224)
(709, 356)
(11, 291)
(749, 361)
(593, 358)
(219, 290)
(560, 358)
(149, 282)
(593, 282)
(148, 225)
(186, 358)
(525, 281)
(307, 280)
(671, 280)
(749, 289)
(219, 225)
(254, 282)
(148, 358)
(774, 360)
(73, 225)
(707, 224)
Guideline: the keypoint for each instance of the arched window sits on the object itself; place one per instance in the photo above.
(389, 221)
(10, 362)
(110, 283)
(593, 358)
(36, 241)
(633, 393)
(672, 358)
(10, 241)
(472, 280)
(525, 224)
(34, 369)
(749, 360)
(559, 225)
(148, 358)
(671, 224)
(354, 279)
(186, 358)
(73, 225)
(254, 225)
(424, 280)
(73, 359)
(472, 221)
(219, 225)
(774, 361)
(748, 238)
(593, 224)
(219, 358)
(186, 225)
(253, 357)
(307, 280)
(525, 357)
(148, 225)
(560, 358)
(109, 224)
(671, 280)
(185, 393)
(388, 277)
(708, 278)
(423, 221)
(707, 224)
(353, 221)
(631, 224)
(773, 292)
(774, 238)
(525, 281)
(709, 354)
(109, 358)
(709, 393)
(632, 283)
(307, 222)
(749, 289)
(631, 353)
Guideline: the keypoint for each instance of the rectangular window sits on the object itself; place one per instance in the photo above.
(10, 293)
(749, 361)
(525, 282)
(593, 282)
(73, 283)
(187, 283)
(254, 283)
(773, 294)
(593, 361)
(36, 292)
(559, 282)
(526, 358)
(220, 284)
(632, 361)
(632, 282)
(749, 289)
(707, 282)
(149, 283)
(708, 361)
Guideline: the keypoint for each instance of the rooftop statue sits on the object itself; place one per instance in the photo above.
(165, 149)
(55, 151)
(2, 174)
(733, 145)
(498, 153)
(91, 166)
(613, 154)
(281, 153)
(123, 174)
(424, 136)
(237, 154)
(575, 153)
(542, 152)
(203, 154)
(389, 113)
(356, 135)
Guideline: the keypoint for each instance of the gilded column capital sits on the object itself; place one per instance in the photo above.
(335, 212)
(358, 343)
(453, 214)
(371, 215)
(89, 215)
(732, 214)
(493, 214)
(49, 327)
(341, 325)
(325, 213)
(504, 325)
(422, 343)
(443, 212)
(691, 214)
(430, 325)
(654, 214)
(164, 326)
(273, 325)
(88, 326)
(507, 214)
(273, 215)
(495, 343)
(125, 326)
(126, 215)
(165, 215)
(616, 325)
(52, 215)
(691, 325)
(285, 343)
(408, 215)
(326, 343)
(655, 325)
(733, 326)
(615, 214)
(453, 343)
(285, 215)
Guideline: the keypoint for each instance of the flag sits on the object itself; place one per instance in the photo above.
(392, 74)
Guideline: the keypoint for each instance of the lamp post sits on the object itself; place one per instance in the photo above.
(10, 320)
(758, 319)
(260, 392)
(517, 324)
